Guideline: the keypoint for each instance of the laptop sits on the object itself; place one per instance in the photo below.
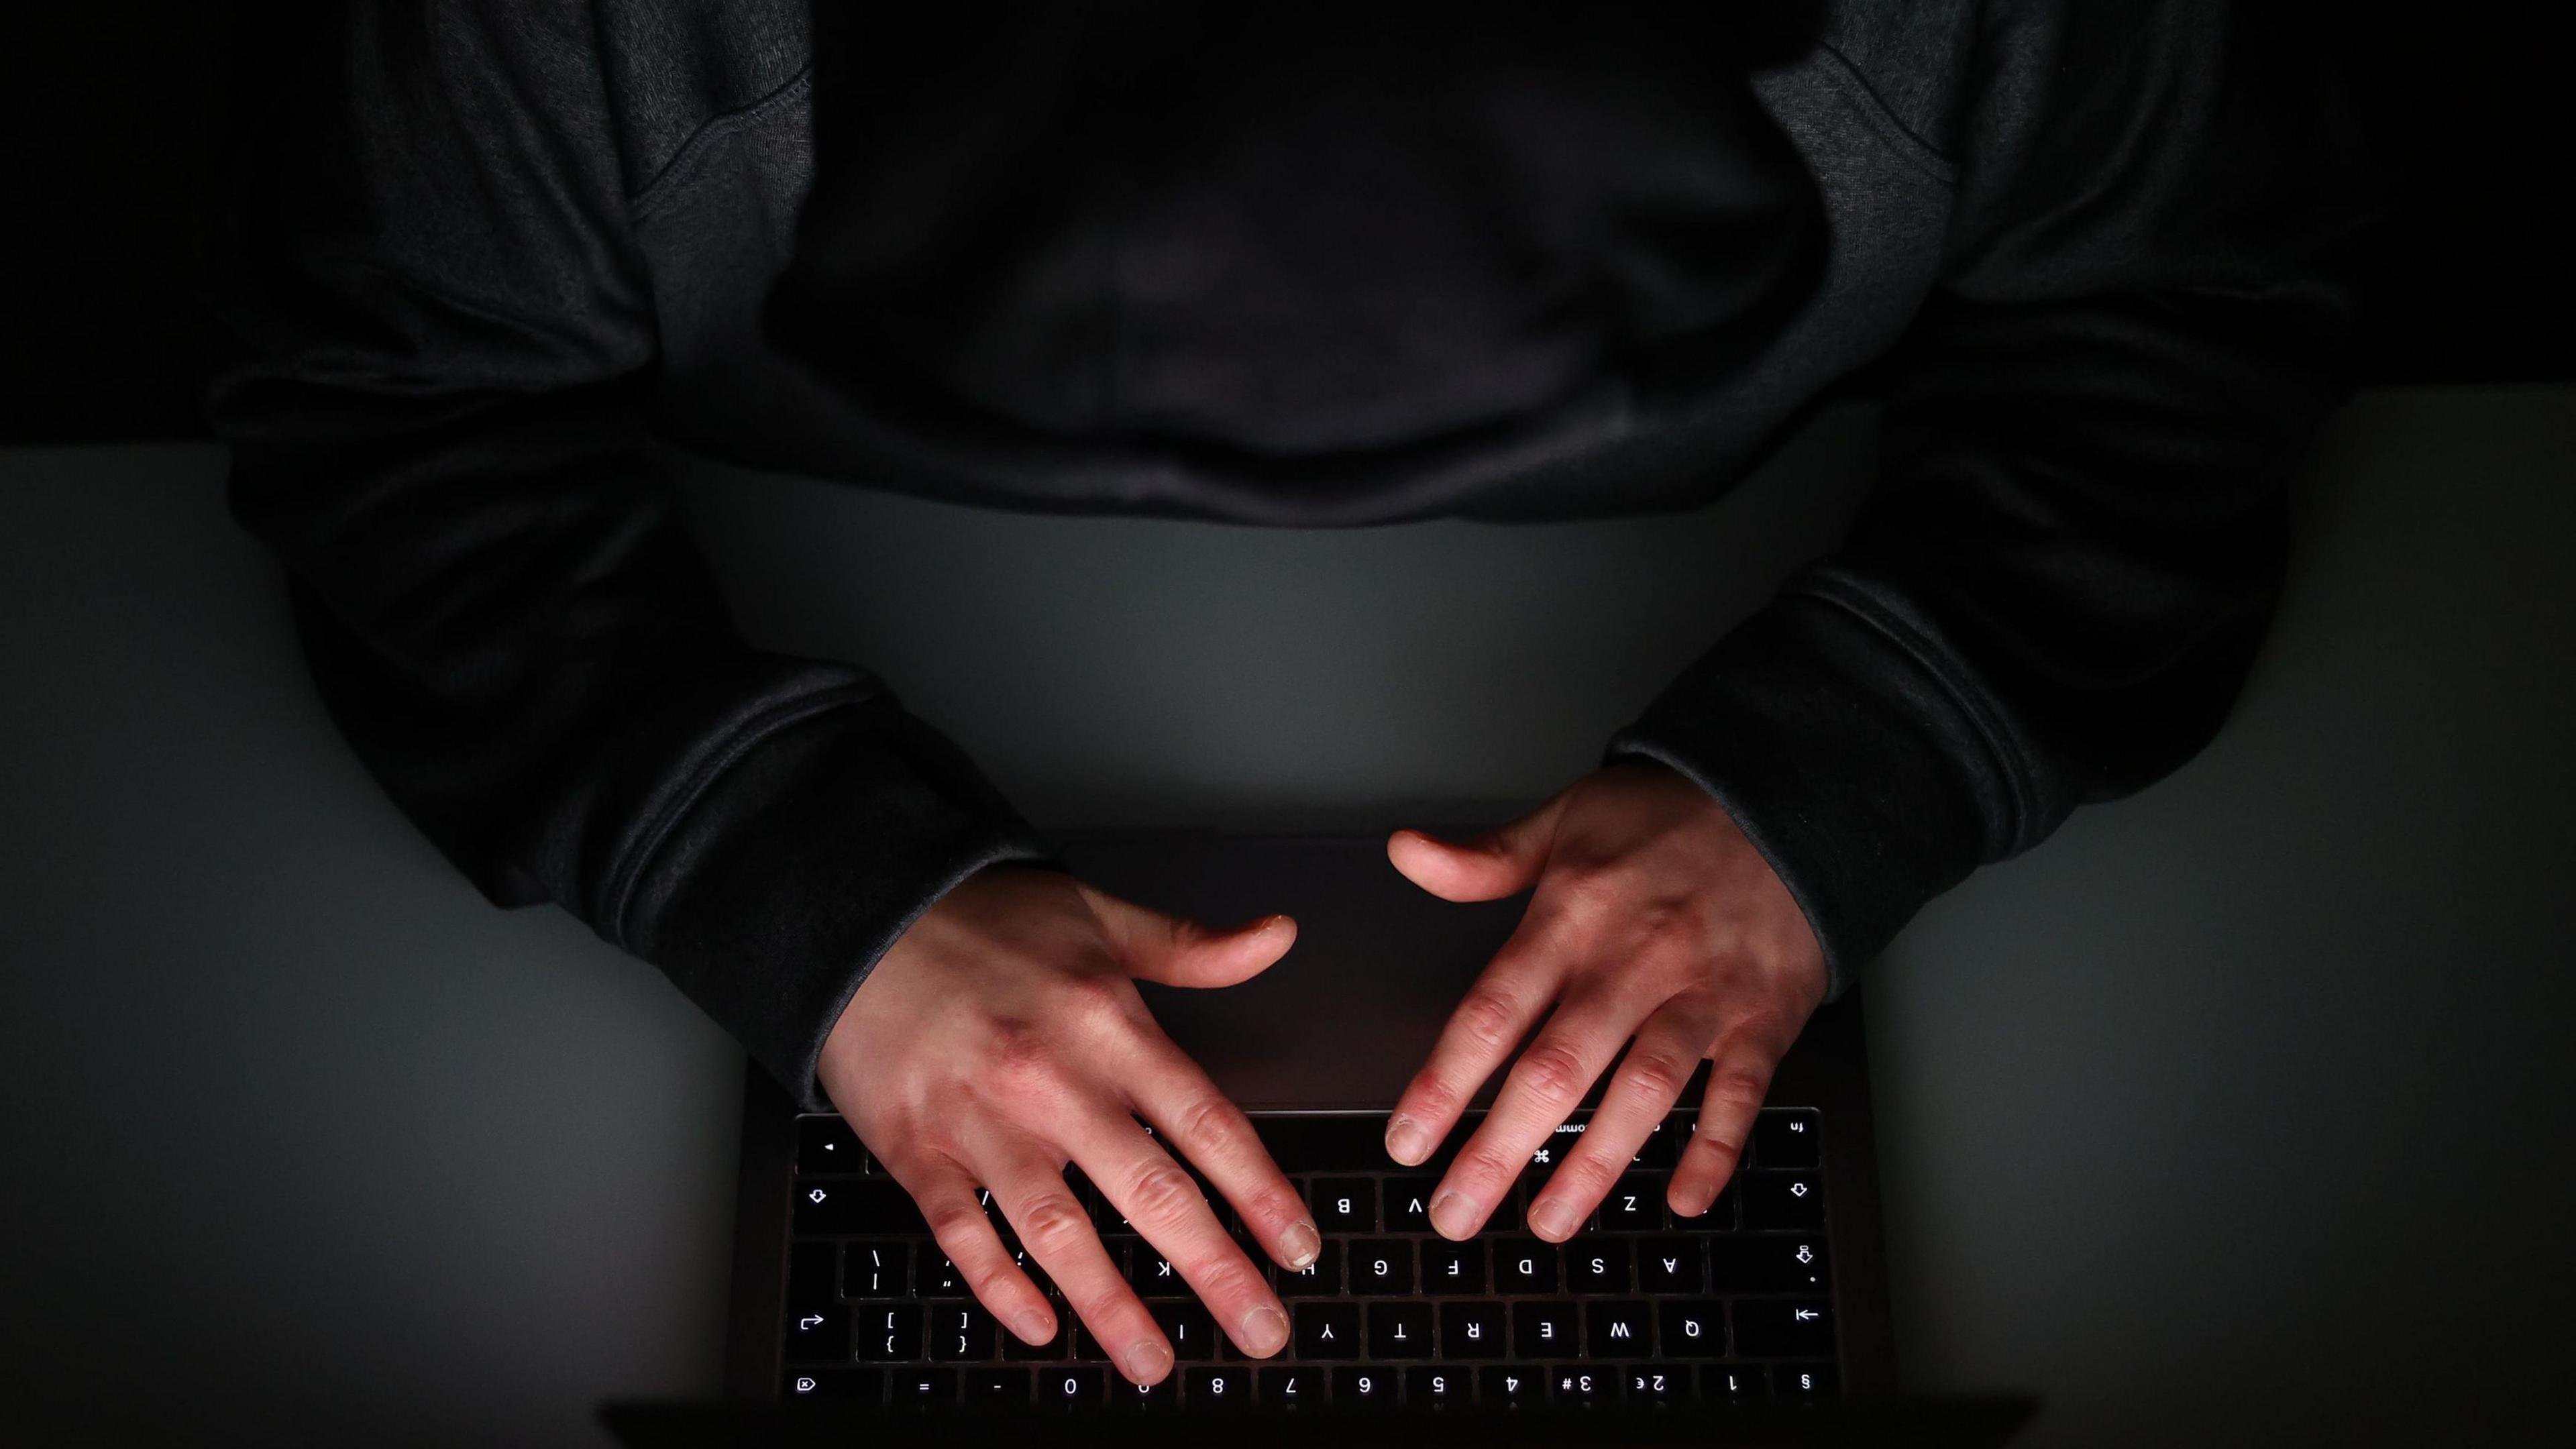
(1763, 1321)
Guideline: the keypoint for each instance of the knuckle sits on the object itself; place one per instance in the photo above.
(1022, 1064)
(1489, 1019)
(959, 1228)
(1053, 1224)
(1658, 1075)
(1486, 1167)
(1163, 1195)
(1207, 1127)
(1223, 1277)
(1738, 1089)
(1096, 1000)
(1552, 1072)
(1273, 1204)
(1588, 891)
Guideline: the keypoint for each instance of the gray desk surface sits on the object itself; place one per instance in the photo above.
(2233, 1115)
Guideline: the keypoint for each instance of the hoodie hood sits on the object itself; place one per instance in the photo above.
(1305, 249)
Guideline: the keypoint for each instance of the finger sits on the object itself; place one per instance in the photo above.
(1162, 1203)
(945, 1192)
(1199, 1122)
(1506, 1001)
(1029, 1185)
(1180, 952)
(1649, 1081)
(1487, 867)
(1739, 1076)
(1542, 1089)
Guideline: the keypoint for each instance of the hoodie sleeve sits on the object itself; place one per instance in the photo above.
(2056, 589)
(439, 343)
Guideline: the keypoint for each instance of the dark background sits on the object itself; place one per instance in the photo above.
(114, 115)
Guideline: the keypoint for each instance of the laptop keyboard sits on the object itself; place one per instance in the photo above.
(1732, 1307)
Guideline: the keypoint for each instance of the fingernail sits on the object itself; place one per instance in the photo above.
(1033, 1328)
(1264, 1331)
(1147, 1361)
(1301, 1243)
(1550, 1220)
(1406, 1142)
(1454, 1214)
(1691, 1201)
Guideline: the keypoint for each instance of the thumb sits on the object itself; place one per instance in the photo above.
(1484, 868)
(1180, 952)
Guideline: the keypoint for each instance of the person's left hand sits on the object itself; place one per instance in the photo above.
(1652, 918)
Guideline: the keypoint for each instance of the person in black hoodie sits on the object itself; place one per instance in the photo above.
(1310, 265)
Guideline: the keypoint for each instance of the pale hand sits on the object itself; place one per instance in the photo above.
(1654, 926)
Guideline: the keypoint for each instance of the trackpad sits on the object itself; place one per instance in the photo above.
(1346, 1018)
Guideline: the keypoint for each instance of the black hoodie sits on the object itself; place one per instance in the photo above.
(1304, 265)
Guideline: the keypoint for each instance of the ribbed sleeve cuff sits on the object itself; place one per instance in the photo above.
(800, 863)
(1833, 741)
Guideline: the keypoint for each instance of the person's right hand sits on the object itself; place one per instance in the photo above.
(1002, 1035)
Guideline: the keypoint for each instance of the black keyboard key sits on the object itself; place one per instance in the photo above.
(1135, 1397)
(1292, 1388)
(1328, 1142)
(889, 1333)
(1584, 1385)
(856, 1207)
(1599, 1266)
(1784, 1328)
(826, 1145)
(1550, 1155)
(1437, 1387)
(1545, 1330)
(1671, 1265)
(1783, 1200)
(1618, 1328)
(1027, 1263)
(922, 1387)
(1452, 1268)
(1720, 1217)
(1525, 1265)
(1153, 1275)
(1218, 1388)
(1381, 1265)
(1473, 1330)
(1789, 1137)
(810, 1271)
(1190, 1328)
(1087, 1349)
(1803, 1383)
(1072, 1388)
(1511, 1386)
(1768, 1264)
(1660, 1383)
(940, 1278)
(818, 1334)
(1664, 1145)
(1015, 1349)
(1695, 1328)
(1327, 1330)
(1399, 1330)
(1364, 1388)
(1732, 1383)
(998, 1387)
(1408, 1203)
(1320, 1278)
(961, 1333)
(1635, 1204)
(1343, 1204)
(877, 1269)
(846, 1385)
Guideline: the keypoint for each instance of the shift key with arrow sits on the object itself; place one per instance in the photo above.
(859, 1207)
